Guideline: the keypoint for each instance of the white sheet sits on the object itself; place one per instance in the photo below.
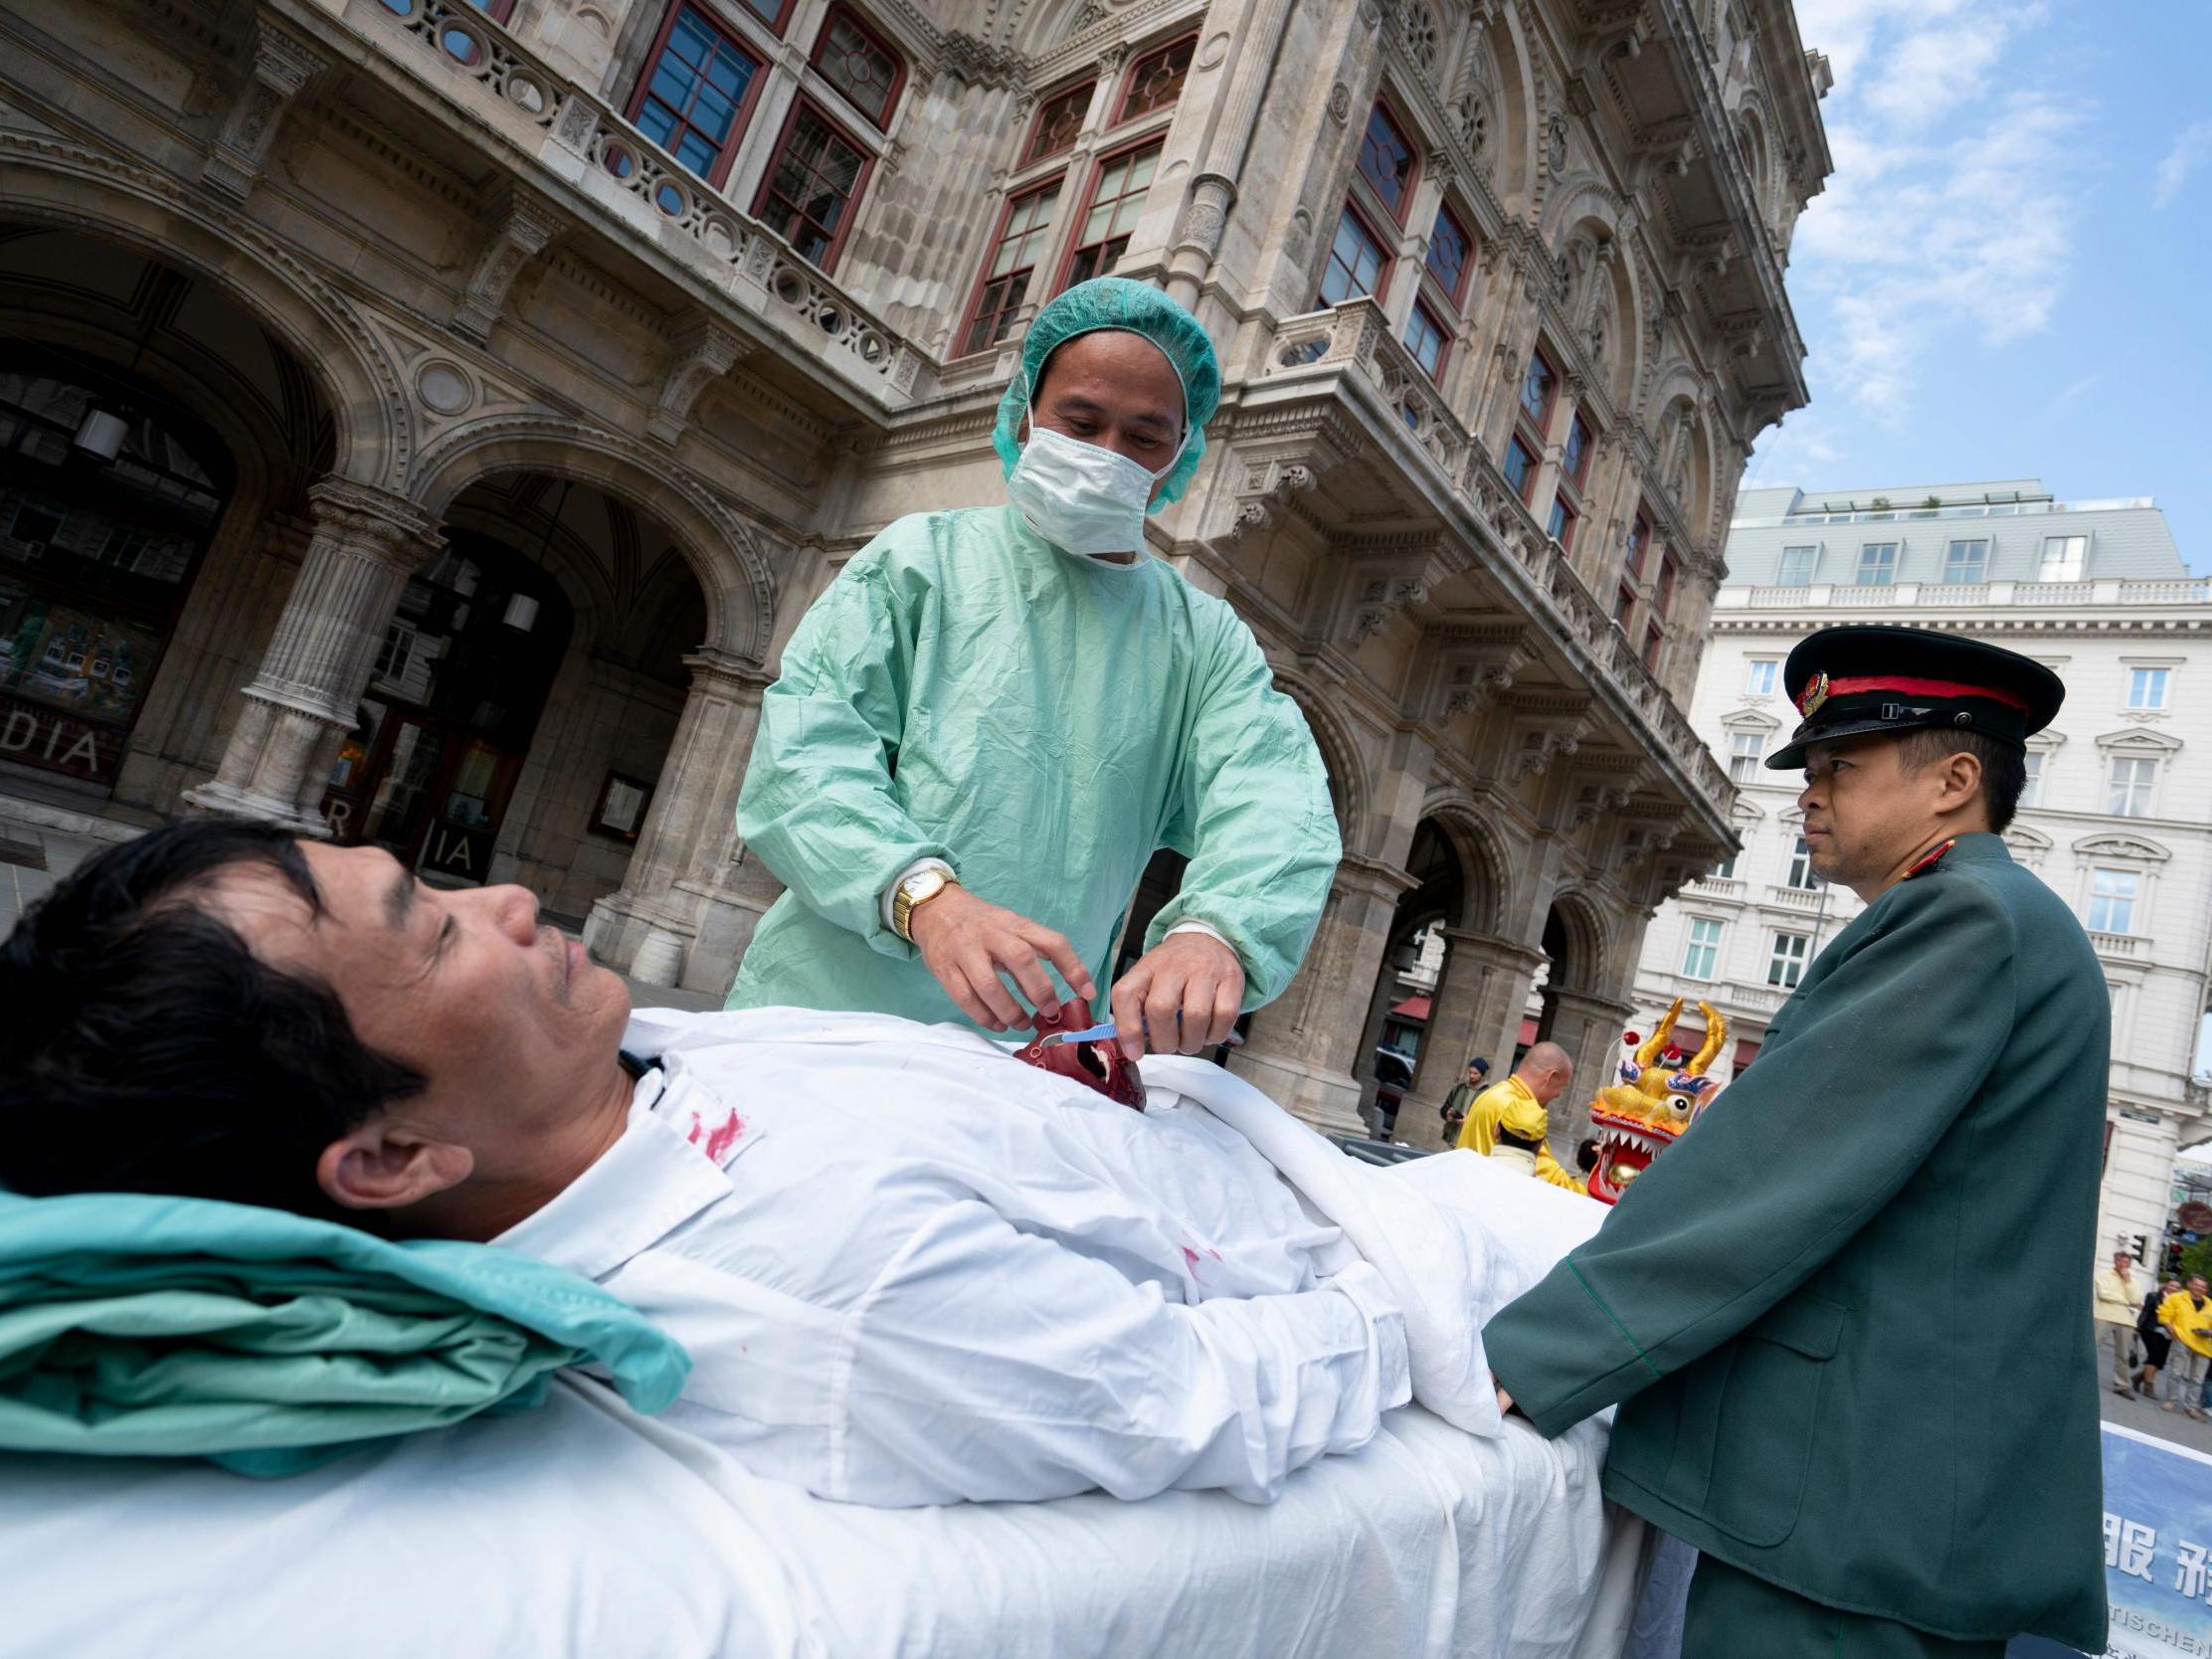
(579, 1531)
(1455, 1236)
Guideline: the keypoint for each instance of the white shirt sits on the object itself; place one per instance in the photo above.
(911, 1270)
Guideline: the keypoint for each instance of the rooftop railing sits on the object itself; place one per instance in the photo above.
(1967, 596)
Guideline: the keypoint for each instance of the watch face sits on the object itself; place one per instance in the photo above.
(922, 883)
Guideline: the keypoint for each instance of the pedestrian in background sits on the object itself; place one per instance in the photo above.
(2187, 1318)
(2156, 1343)
(1462, 1095)
(2117, 1296)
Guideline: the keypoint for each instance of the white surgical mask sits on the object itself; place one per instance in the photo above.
(1083, 497)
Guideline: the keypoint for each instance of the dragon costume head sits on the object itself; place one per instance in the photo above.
(1640, 1117)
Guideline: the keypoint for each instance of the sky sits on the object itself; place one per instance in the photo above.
(2009, 274)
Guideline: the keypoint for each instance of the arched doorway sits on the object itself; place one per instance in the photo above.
(157, 444)
(452, 702)
(522, 703)
(1414, 958)
(109, 496)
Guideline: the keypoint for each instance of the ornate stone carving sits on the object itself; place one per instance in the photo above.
(703, 351)
(523, 228)
(1339, 103)
(280, 71)
(1207, 215)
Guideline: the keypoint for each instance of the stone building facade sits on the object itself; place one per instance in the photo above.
(440, 412)
(2117, 813)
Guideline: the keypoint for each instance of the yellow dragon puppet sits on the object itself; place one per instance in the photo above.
(1640, 1117)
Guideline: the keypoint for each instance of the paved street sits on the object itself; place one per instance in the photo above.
(2144, 1418)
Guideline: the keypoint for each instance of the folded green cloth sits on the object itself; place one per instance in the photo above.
(134, 1326)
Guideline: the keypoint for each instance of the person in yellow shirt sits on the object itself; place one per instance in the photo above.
(1522, 1142)
(1539, 1077)
(2186, 1316)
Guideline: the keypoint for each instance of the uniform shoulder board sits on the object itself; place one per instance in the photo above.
(1930, 858)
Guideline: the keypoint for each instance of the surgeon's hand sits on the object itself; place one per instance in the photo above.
(1185, 992)
(967, 942)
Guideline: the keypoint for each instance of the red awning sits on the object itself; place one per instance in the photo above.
(1414, 1008)
(1746, 1051)
(1527, 1031)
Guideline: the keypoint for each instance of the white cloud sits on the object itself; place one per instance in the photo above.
(2190, 152)
(1949, 212)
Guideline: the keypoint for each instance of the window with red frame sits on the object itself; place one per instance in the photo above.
(498, 10)
(1427, 339)
(1561, 526)
(860, 63)
(1653, 639)
(1058, 120)
(697, 86)
(1387, 161)
(1520, 467)
(774, 13)
(1574, 459)
(1449, 248)
(1357, 263)
(1639, 538)
(812, 180)
(1624, 605)
(1116, 202)
(1662, 601)
(1157, 79)
(1008, 278)
(1536, 389)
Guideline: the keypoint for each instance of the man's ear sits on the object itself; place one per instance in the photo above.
(382, 1165)
(1962, 782)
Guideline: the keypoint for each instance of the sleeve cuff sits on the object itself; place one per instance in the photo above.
(899, 881)
(1363, 1285)
(1206, 928)
(1561, 1354)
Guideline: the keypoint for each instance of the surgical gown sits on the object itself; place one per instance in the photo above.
(1044, 722)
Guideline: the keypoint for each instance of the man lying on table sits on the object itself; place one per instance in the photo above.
(909, 1269)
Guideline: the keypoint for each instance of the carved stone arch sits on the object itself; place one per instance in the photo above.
(1486, 869)
(1588, 940)
(1340, 753)
(1518, 172)
(1751, 127)
(53, 182)
(585, 583)
(729, 556)
(1580, 198)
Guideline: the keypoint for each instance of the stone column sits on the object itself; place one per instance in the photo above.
(1302, 1047)
(1589, 1028)
(687, 849)
(302, 700)
(1477, 1003)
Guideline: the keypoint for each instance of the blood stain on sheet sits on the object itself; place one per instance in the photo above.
(725, 1137)
(1190, 1258)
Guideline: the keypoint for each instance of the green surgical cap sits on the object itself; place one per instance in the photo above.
(1136, 309)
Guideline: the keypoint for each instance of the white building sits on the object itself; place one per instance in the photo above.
(2117, 812)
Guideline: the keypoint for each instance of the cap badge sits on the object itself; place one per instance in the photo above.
(1813, 696)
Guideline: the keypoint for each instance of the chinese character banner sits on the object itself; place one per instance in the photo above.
(2157, 1548)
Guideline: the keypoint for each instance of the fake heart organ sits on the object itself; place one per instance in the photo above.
(1643, 1114)
(1096, 1065)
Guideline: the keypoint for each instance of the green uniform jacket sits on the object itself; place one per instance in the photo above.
(1045, 723)
(1846, 1313)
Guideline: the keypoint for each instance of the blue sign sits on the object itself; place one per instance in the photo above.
(2157, 1547)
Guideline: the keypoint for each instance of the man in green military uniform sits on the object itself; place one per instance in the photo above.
(1793, 1306)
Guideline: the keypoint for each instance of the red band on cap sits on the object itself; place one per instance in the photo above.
(1911, 688)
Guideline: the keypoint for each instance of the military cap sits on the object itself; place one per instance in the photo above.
(1876, 679)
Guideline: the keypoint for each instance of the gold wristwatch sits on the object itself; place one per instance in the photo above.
(917, 889)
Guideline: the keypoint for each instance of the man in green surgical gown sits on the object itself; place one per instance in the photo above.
(993, 718)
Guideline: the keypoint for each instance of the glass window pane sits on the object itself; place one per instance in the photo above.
(1157, 81)
(1797, 566)
(1536, 389)
(852, 60)
(1387, 160)
(1059, 119)
(1447, 254)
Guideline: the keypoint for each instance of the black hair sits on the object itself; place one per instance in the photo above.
(1586, 1155)
(1513, 1137)
(2004, 766)
(146, 1049)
